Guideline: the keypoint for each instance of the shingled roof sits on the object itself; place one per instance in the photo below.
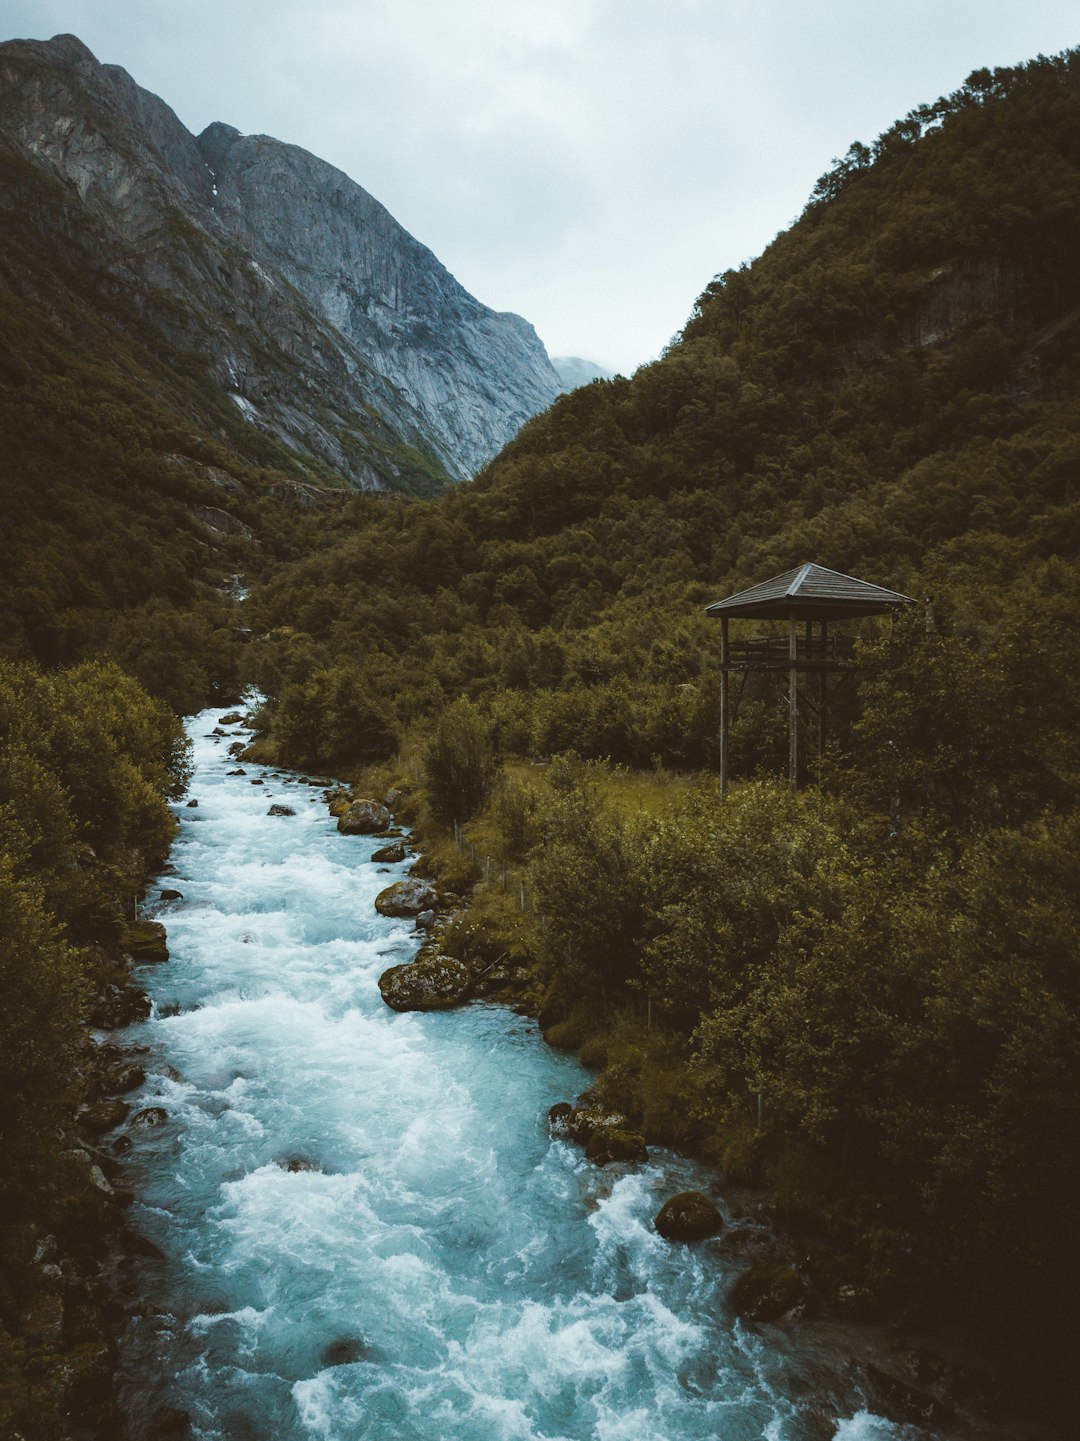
(809, 592)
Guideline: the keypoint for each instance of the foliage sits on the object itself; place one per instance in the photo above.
(459, 763)
(87, 762)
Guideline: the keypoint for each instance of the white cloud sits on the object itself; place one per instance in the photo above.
(587, 163)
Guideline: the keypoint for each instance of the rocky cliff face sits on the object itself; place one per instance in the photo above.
(332, 329)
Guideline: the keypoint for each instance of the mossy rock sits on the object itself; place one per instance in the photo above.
(569, 1034)
(433, 982)
(363, 818)
(389, 855)
(407, 898)
(144, 941)
(609, 1144)
(689, 1216)
(767, 1291)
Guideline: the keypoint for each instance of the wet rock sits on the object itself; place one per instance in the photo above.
(193, 804)
(123, 1077)
(389, 855)
(559, 1117)
(338, 800)
(236, 748)
(766, 1292)
(170, 895)
(234, 718)
(425, 920)
(101, 1116)
(689, 1216)
(407, 898)
(120, 1145)
(344, 1352)
(432, 982)
(587, 1117)
(609, 1144)
(239, 771)
(279, 810)
(116, 1006)
(297, 1163)
(149, 1117)
(145, 942)
(363, 818)
(257, 782)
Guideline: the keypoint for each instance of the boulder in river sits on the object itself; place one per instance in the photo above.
(433, 982)
(150, 1116)
(344, 1352)
(363, 818)
(767, 1291)
(689, 1216)
(234, 718)
(606, 1135)
(407, 898)
(389, 855)
(279, 810)
(168, 894)
(193, 805)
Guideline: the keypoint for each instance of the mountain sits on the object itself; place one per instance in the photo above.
(573, 371)
(327, 326)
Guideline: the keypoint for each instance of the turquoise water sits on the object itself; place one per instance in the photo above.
(434, 1267)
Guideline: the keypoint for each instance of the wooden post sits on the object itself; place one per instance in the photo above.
(793, 703)
(724, 703)
(822, 681)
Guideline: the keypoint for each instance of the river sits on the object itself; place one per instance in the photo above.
(368, 1232)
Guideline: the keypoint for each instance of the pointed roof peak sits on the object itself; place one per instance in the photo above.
(812, 592)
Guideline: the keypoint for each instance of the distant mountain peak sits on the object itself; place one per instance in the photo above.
(309, 301)
(574, 372)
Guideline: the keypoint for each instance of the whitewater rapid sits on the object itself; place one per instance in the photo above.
(368, 1233)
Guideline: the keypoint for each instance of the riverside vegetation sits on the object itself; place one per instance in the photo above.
(881, 968)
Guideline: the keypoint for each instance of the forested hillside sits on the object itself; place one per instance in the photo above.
(886, 963)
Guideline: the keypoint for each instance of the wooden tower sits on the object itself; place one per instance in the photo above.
(814, 596)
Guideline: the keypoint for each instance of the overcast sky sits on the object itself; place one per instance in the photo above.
(590, 164)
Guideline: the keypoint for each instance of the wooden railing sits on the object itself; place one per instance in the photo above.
(773, 650)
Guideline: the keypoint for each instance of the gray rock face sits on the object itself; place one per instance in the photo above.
(325, 324)
(475, 376)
